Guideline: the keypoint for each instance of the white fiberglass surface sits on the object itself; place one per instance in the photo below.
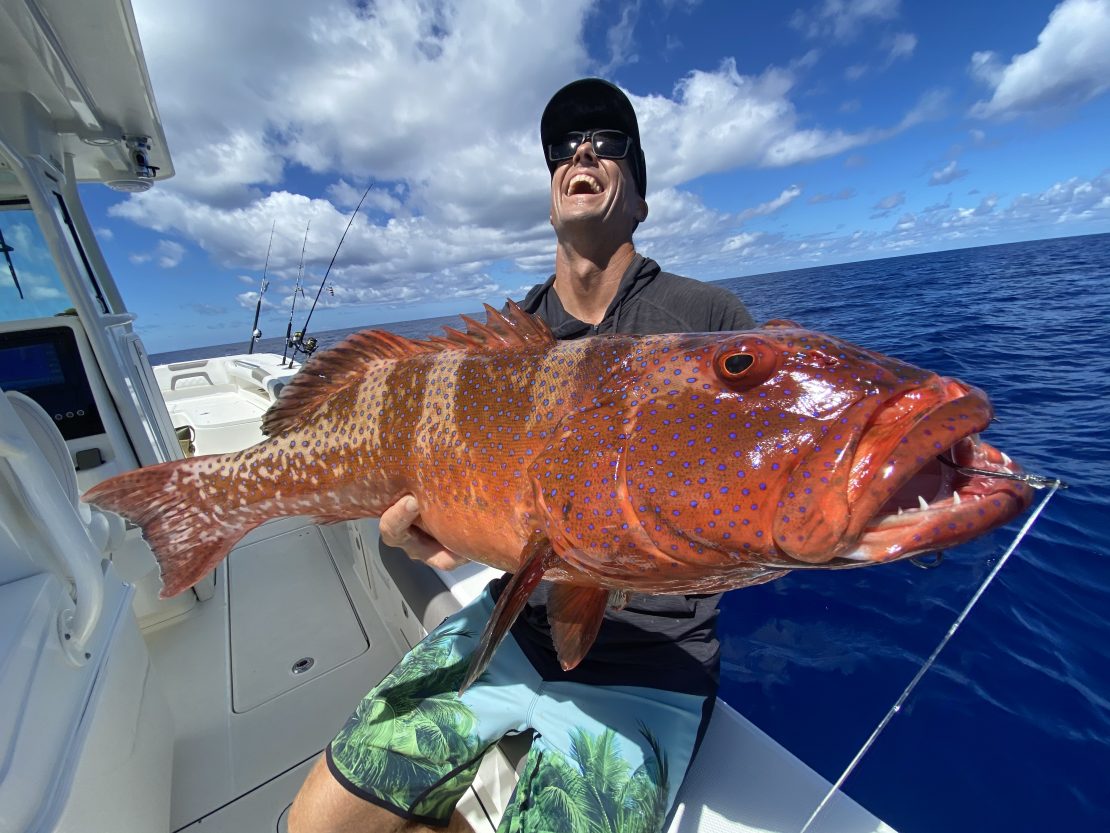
(223, 753)
(317, 631)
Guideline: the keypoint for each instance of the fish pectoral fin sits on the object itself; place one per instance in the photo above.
(534, 561)
(575, 613)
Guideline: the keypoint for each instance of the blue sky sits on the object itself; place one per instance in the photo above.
(778, 135)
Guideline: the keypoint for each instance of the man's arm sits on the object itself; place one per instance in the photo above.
(400, 527)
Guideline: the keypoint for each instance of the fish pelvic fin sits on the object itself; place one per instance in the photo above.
(177, 523)
(332, 371)
(535, 559)
(575, 614)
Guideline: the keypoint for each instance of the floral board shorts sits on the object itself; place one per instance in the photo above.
(602, 757)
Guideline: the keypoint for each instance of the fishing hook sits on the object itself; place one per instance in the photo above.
(1035, 481)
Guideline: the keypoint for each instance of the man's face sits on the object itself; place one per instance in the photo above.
(599, 192)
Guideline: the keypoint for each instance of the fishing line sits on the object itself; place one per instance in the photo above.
(324, 280)
(1052, 485)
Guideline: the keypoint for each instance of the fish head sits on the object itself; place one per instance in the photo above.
(789, 448)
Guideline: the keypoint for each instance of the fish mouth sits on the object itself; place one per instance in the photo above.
(962, 505)
(908, 490)
(923, 499)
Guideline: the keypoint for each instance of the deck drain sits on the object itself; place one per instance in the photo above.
(302, 665)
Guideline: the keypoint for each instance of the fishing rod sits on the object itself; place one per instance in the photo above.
(256, 333)
(308, 345)
(289, 342)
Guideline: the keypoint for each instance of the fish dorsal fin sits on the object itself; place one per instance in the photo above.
(334, 370)
(346, 364)
(508, 329)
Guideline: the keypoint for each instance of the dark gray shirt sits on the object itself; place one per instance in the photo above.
(667, 642)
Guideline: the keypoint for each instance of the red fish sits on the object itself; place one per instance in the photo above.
(660, 464)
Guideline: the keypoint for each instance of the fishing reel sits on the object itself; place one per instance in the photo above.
(299, 344)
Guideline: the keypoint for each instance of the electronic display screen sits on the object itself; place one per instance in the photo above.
(31, 367)
(46, 366)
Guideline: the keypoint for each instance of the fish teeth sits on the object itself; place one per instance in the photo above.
(955, 498)
(921, 503)
(1005, 458)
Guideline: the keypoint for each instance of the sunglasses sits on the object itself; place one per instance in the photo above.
(608, 144)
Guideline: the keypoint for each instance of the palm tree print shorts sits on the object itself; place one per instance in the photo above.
(604, 758)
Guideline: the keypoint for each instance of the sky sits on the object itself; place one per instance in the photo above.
(778, 135)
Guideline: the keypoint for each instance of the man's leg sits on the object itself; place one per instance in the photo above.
(413, 745)
(323, 804)
(609, 757)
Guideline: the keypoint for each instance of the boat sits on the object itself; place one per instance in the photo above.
(121, 711)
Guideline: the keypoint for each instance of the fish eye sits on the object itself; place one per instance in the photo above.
(737, 363)
(745, 362)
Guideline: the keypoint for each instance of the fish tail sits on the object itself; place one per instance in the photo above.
(187, 537)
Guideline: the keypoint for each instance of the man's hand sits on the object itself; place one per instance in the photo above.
(399, 528)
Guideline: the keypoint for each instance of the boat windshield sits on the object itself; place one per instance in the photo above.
(29, 283)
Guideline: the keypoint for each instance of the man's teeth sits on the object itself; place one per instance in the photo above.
(590, 182)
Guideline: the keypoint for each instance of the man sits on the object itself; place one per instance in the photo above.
(615, 735)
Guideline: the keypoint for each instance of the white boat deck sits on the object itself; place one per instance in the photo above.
(221, 401)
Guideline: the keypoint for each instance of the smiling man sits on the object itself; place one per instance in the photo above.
(613, 738)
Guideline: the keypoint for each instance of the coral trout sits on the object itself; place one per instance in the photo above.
(682, 463)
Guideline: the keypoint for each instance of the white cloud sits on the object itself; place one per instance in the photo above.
(842, 194)
(716, 121)
(620, 40)
(900, 46)
(741, 242)
(1069, 65)
(771, 206)
(438, 106)
(843, 20)
(248, 300)
(949, 173)
(167, 254)
(1072, 201)
(905, 222)
(887, 204)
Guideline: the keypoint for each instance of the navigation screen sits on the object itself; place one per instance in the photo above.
(45, 365)
(31, 367)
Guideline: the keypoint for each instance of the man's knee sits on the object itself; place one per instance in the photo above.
(324, 806)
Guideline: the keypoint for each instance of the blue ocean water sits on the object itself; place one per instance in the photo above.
(1010, 730)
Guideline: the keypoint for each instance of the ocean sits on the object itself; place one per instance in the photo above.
(1010, 730)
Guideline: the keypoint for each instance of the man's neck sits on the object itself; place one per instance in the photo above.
(587, 283)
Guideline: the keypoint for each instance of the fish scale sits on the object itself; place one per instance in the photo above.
(680, 463)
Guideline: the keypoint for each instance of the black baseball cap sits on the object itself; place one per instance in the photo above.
(593, 104)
